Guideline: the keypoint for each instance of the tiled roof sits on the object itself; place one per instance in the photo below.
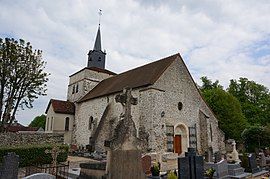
(18, 127)
(63, 107)
(97, 70)
(138, 77)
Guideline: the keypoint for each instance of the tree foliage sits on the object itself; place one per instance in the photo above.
(207, 84)
(256, 137)
(38, 121)
(254, 99)
(22, 77)
(228, 111)
(225, 106)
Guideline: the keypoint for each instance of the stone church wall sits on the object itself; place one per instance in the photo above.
(179, 87)
(158, 106)
(85, 80)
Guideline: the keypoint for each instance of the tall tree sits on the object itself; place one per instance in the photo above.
(38, 121)
(228, 111)
(207, 84)
(225, 106)
(254, 99)
(22, 77)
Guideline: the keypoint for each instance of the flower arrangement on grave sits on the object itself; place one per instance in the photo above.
(172, 175)
(210, 172)
(155, 169)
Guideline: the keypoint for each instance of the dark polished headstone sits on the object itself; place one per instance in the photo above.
(190, 166)
(10, 166)
(253, 168)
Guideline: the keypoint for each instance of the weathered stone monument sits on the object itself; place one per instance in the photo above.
(55, 151)
(190, 166)
(10, 166)
(124, 155)
(233, 156)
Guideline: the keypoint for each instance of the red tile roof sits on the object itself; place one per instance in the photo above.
(138, 77)
(63, 107)
(19, 127)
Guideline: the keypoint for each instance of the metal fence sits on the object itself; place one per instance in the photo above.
(60, 170)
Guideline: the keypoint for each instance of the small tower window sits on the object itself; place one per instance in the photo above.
(90, 59)
(91, 121)
(73, 90)
(67, 124)
(77, 88)
(99, 58)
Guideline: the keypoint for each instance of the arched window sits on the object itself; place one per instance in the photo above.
(91, 122)
(67, 124)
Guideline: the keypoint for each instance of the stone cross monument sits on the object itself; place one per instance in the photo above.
(124, 155)
(54, 152)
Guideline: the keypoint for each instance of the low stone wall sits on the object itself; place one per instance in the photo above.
(12, 139)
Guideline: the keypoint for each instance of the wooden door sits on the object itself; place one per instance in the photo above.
(177, 144)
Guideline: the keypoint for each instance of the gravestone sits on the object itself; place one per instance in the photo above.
(10, 166)
(217, 157)
(221, 169)
(252, 167)
(190, 166)
(55, 151)
(262, 161)
(233, 156)
(146, 164)
(124, 155)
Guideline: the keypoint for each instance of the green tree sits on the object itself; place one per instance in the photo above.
(254, 99)
(228, 111)
(256, 137)
(207, 84)
(22, 77)
(38, 121)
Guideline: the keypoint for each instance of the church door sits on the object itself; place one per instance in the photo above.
(177, 144)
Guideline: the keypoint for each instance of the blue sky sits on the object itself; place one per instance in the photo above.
(220, 39)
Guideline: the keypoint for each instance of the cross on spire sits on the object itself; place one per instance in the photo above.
(99, 13)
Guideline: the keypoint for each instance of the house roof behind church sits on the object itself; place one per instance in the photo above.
(99, 70)
(138, 77)
(63, 107)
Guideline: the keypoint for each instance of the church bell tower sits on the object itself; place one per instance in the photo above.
(96, 57)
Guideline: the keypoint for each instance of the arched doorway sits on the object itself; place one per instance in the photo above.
(180, 138)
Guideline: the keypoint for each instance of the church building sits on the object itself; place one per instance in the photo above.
(170, 115)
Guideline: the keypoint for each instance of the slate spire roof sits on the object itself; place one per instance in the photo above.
(142, 76)
(97, 45)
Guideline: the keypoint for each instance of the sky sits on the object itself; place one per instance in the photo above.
(222, 40)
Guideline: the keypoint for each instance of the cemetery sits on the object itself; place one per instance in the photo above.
(150, 122)
(125, 159)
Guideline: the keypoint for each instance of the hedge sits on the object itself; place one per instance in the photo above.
(34, 154)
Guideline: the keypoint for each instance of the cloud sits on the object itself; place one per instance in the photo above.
(218, 39)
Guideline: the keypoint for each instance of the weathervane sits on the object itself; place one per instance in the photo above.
(100, 13)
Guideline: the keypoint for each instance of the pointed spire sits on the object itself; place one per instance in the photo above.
(97, 45)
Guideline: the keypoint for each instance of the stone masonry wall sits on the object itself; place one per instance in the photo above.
(11, 139)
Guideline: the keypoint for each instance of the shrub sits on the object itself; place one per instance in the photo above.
(34, 154)
(155, 169)
(172, 175)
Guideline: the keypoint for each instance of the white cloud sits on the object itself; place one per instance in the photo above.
(219, 39)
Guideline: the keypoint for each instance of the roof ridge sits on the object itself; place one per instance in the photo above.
(144, 75)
